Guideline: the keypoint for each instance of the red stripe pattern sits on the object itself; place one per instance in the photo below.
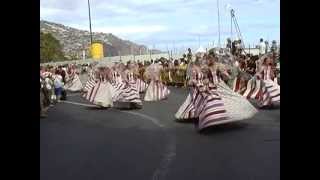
(124, 92)
(265, 90)
(156, 91)
(141, 85)
(203, 103)
(89, 84)
(91, 94)
(236, 85)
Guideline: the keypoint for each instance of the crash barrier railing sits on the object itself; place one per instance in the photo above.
(124, 59)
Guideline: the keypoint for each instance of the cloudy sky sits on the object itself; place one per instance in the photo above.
(169, 23)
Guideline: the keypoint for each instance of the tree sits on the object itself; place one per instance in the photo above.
(50, 48)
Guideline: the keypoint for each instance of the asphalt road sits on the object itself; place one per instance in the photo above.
(85, 143)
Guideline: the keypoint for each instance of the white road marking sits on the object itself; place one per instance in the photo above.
(170, 148)
(80, 104)
(154, 120)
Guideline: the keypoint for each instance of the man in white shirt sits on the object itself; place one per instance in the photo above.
(262, 47)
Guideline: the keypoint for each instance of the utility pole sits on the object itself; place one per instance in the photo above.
(218, 23)
(90, 22)
(231, 25)
(168, 51)
(150, 54)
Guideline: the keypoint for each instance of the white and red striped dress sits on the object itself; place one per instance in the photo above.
(73, 83)
(203, 103)
(214, 103)
(239, 86)
(99, 92)
(124, 91)
(90, 82)
(141, 85)
(137, 83)
(264, 88)
(156, 90)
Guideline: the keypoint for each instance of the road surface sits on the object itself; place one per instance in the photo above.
(85, 143)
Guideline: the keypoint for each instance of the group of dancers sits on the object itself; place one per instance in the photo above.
(121, 86)
(217, 94)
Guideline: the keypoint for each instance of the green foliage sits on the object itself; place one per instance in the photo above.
(50, 48)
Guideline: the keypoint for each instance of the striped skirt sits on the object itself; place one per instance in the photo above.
(237, 86)
(206, 106)
(91, 94)
(89, 84)
(156, 91)
(270, 93)
(100, 94)
(237, 106)
(267, 92)
(74, 84)
(125, 93)
(103, 96)
(141, 85)
(215, 106)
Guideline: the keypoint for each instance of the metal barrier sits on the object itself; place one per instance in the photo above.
(124, 59)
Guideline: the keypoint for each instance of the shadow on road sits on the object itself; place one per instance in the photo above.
(188, 121)
(97, 108)
(223, 128)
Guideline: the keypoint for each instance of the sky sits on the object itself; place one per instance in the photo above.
(169, 24)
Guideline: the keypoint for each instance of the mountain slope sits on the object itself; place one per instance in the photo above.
(74, 41)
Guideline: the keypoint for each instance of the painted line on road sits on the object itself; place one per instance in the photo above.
(154, 120)
(170, 148)
(80, 104)
(169, 152)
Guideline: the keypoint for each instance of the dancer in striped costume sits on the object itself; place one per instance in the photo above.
(210, 100)
(263, 86)
(90, 82)
(73, 81)
(241, 77)
(156, 90)
(240, 82)
(125, 95)
(134, 78)
(141, 84)
(100, 91)
(202, 103)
